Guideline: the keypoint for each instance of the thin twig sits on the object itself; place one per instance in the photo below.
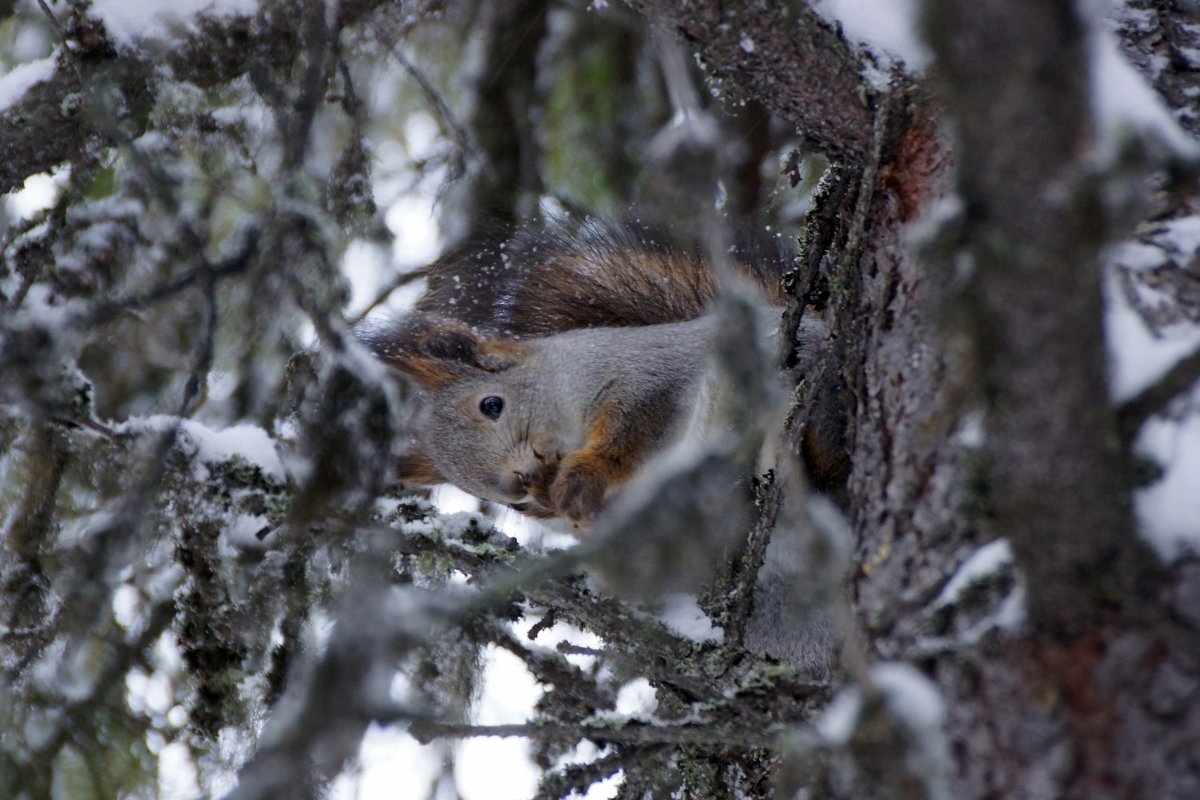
(449, 123)
(1154, 399)
(62, 36)
(741, 594)
(400, 281)
(569, 649)
(195, 386)
(92, 425)
(618, 731)
(866, 183)
(547, 621)
(107, 311)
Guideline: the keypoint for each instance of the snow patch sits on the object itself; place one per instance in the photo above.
(1124, 105)
(509, 690)
(127, 607)
(887, 27)
(247, 441)
(1138, 356)
(1184, 234)
(23, 77)
(637, 699)
(390, 764)
(971, 433)
(912, 700)
(1010, 616)
(487, 768)
(683, 615)
(130, 21)
(250, 442)
(178, 775)
(243, 534)
(983, 563)
(840, 718)
(915, 703)
(911, 697)
(1169, 509)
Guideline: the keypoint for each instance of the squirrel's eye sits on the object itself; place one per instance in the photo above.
(491, 406)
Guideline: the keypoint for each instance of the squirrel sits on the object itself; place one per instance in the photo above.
(551, 366)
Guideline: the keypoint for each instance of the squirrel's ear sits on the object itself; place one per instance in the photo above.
(435, 351)
(415, 469)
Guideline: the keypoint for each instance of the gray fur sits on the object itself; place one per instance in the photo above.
(550, 396)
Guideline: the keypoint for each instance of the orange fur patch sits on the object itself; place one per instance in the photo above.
(429, 373)
(506, 351)
(415, 469)
(607, 459)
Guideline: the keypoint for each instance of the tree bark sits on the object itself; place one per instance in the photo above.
(784, 55)
(1016, 78)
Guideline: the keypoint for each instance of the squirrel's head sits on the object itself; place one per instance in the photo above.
(482, 420)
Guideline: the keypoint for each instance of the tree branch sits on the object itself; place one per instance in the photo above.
(1015, 77)
(616, 731)
(787, 57)
(1154, 399)
(58, 120)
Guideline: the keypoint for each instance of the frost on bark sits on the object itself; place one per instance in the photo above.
(200, 544)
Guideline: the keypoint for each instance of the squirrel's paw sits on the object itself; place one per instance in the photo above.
(579, 488)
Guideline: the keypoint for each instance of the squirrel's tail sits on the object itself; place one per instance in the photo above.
(561, 276)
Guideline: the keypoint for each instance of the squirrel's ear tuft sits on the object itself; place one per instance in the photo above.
(435, 351)
(415, 469)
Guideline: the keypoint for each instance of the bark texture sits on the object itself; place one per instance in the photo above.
(1016, 83)
(783, 55)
